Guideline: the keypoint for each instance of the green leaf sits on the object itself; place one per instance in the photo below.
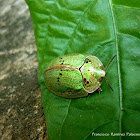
(102, 28)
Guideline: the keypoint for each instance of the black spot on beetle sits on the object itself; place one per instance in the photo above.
(58, 81)
(60, 70)
(84, 81)
(60, 73)
(58, 78)
(61, 63)
(87, 60)
(87, 82)
(61, 58)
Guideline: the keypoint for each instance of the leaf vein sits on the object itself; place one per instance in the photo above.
(118, 63)
(123, 6)
(99, 127)
(129, 35)
(74, 32)
(65, 117)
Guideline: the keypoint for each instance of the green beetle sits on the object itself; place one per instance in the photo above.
(74, 75)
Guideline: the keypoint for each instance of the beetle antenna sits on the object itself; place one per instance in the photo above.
(110, 62)
(108, 84)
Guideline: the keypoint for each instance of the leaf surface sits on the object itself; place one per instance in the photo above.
(102, 28)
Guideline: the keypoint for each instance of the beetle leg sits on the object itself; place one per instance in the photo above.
(99, 90)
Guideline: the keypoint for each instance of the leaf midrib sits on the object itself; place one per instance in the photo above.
(118, 63)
